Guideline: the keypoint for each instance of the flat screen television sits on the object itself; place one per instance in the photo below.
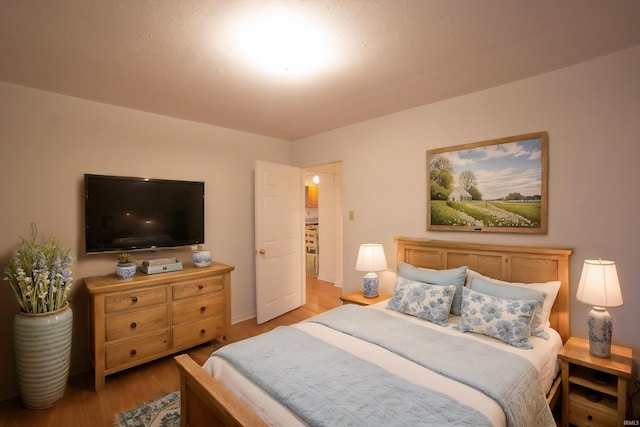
(128, 213)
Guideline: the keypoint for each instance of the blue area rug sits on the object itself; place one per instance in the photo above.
(161, 412)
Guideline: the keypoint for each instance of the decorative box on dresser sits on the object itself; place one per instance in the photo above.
(594, 389)
(141, 319)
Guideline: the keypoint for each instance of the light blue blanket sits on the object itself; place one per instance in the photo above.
(509, 379)
(326, 386)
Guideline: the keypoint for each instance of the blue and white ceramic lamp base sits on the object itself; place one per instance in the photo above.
(371, 285)
(600, 331)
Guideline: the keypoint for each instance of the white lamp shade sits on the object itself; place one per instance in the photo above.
(371, 258)
(599, 285)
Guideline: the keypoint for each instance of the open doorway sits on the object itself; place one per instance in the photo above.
(323, 222)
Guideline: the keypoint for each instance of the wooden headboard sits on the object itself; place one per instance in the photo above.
(521, 264)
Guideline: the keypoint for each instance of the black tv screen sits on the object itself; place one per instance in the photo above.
(127, 213)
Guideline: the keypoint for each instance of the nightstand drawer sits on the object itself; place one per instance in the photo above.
(589, 414)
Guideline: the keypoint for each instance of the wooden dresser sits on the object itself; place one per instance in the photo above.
(141, 319)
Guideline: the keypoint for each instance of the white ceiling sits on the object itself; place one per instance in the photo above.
(172, 57)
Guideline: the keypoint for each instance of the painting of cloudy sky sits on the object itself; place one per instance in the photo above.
(513, 167)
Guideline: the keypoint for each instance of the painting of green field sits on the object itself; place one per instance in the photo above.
(486, 213)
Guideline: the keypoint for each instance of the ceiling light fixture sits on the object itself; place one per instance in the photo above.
(281, 42)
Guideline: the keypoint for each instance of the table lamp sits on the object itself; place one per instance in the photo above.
(599, 287)
(371, 259)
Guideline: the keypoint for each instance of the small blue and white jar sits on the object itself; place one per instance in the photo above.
(126, 271)
(201, 258)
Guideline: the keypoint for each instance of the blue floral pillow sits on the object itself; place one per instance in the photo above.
(430, 302)
(508, 320)
(487, 287)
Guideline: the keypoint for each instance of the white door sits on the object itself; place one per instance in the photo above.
(279, 221)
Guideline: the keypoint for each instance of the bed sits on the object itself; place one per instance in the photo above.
(221, 393)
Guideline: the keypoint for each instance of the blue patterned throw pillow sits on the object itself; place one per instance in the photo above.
(430, 302)
(452, 276)
(487, 287)
(508, 320)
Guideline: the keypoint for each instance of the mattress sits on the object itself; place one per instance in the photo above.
(543, 357)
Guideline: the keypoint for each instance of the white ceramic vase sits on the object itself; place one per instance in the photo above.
(42, 349)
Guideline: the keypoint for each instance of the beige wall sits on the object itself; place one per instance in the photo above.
(592, 114)
(49, 141)
(590, 110)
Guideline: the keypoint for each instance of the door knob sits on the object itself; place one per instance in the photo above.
(262, 252)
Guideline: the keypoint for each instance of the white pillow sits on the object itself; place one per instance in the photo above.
(550, 289)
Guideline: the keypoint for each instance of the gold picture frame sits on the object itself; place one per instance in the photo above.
(496, 186)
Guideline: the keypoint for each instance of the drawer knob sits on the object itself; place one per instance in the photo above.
(203, 308)
(202, 331)
(133, 352)
(200, 286)
(589, 417)
(134, 299)
(133, 325)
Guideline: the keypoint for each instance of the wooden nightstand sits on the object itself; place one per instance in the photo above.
(358, 298)
(594, 389)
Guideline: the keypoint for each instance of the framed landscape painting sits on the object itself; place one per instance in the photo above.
(492, 186)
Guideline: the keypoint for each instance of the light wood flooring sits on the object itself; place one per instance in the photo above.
(81, 406)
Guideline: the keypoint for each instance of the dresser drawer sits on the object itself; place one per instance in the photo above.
(195, 309)
(135, 298)
(198, 287)
(590, 415)
(136, 322)
(193, 333)
(129, 352)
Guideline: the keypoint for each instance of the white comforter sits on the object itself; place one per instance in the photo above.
(543, 357)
